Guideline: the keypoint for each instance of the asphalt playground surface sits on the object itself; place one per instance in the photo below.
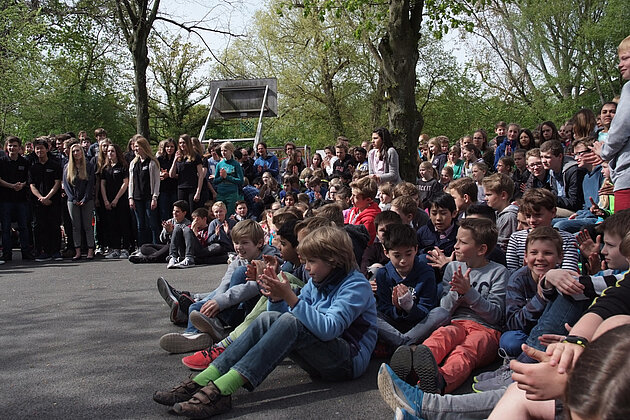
(79, 340)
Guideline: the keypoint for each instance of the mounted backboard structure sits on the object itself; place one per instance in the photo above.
(252, 98)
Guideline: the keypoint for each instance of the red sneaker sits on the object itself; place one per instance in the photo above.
(202, 359)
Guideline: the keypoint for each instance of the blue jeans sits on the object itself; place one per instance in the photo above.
(226, 315)
(272, 337)
(573, 225)
(148, 222)
(511, 341)
(562, 310)
(387, 333)
(165, 204)
(236, 314)
(18, 211)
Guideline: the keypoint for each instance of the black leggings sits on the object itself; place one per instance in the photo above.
(155, 253)
(118, 223)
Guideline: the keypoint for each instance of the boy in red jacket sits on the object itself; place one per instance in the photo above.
(365, 208)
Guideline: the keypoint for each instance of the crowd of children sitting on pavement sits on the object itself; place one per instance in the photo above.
(515, 246)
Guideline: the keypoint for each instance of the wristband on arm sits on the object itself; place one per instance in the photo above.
(574, 339)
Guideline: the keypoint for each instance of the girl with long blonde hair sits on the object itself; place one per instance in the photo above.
(100, 225)
(144, 190)
(78, 183)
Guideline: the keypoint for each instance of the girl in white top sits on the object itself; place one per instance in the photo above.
(383, 158)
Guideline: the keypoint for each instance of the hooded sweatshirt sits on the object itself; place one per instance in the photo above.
(507, 223)
(365, 218)
(616, 149)
(567, 185)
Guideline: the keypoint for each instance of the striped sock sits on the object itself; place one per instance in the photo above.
(226, 342)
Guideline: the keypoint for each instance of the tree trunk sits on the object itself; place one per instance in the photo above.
(140, 65)
(332, 105)
(399, 52)
(377, 101)
(327, 75)
(136, 19)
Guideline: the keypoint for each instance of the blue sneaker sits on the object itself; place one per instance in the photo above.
(398, 393)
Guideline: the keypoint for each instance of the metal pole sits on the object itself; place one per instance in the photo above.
(205, 125)
(260, 119)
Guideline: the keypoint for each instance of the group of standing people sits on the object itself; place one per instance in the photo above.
(105, 198)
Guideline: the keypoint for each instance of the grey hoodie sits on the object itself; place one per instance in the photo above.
(616, 149)
(228, 296)
(507, 223)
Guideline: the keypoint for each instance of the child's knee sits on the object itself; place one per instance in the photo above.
(238, 276)
(195, 307)
(440, 316)
(511, 342)
(268, 318)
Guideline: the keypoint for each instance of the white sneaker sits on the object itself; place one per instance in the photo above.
(185, 343)
(212, 326)
(171, 262)
(112, 255)
(186, 263)
(124, 254)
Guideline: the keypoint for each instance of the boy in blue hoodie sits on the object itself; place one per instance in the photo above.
(406, 290)
(441, 230)
(329, 330)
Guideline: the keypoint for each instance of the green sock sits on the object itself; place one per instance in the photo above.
(210, 374)
(229, 382)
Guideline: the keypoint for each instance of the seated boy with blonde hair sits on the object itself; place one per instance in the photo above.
(248, 238)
